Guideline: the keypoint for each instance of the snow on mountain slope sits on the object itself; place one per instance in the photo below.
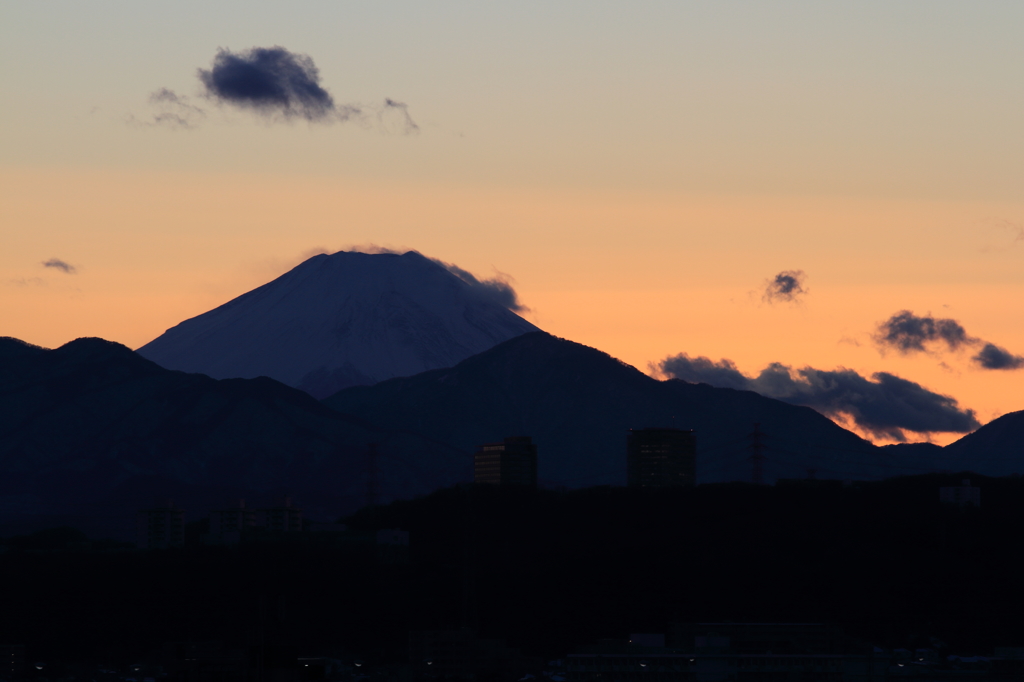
(342, 320)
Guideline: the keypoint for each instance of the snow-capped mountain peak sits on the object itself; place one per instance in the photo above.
(345, 319)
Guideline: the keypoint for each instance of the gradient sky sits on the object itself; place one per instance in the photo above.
(640, 169)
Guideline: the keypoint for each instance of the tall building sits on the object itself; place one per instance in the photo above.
(511, 462)
(661, 457)
(160, 527)
(284, 517)
(227, 525)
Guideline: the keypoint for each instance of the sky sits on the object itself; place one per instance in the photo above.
(724, 185)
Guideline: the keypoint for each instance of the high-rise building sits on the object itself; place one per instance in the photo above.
(283, 517)
(661, 457)
(160, 527)
(510, 462)
(227, 525)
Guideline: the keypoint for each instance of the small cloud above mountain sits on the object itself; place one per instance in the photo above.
(275, 84)
(271, 81)
(786, 287)
(992, 356)
(884, 405)
(909, 333)
(63, 266)
(704, 370)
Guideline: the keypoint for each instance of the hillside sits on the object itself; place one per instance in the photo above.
(91, 429)
(578, 404)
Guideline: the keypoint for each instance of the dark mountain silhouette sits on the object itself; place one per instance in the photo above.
(996, 449)
(578, 403)
(93, 429)
(345, 319)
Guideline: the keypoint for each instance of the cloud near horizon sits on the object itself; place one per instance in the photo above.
(908, 333)
(787, 286)
(58, 264)
(884, 405)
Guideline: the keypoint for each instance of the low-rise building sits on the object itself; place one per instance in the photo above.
(283, 517)
(227, 525)
(962, 495)
(161, 527)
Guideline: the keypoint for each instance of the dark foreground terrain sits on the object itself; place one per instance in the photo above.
(550, 571)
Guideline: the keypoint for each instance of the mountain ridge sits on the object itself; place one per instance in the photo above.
(92, 426)
(575, 399)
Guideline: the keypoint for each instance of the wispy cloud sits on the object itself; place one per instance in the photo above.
(884, 405)
(58, 264)
(173, 111)
(1005, 228)
(394, 118)
(27, 281)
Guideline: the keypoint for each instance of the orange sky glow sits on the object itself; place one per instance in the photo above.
(640, 275)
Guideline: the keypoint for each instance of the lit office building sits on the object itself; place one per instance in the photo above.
(511, 462)
(661, 457)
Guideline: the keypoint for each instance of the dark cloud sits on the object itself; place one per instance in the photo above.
(992, 356)
(58, 264)
(277, 84)
(786, 286)
(884, 405)
(907, 333)
(272, 81)
(702, 370)
(497, 290)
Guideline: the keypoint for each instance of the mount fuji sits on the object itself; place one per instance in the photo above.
(345, 319)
